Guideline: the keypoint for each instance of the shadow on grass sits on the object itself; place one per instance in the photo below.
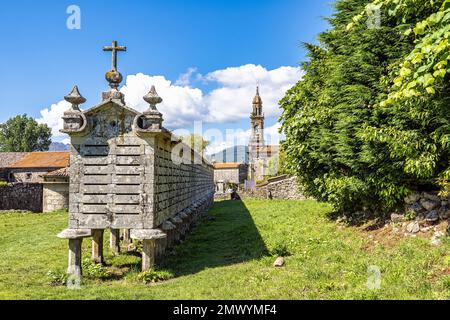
(227, 236)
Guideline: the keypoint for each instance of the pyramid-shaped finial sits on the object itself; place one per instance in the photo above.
(152, 98)
(75, 98)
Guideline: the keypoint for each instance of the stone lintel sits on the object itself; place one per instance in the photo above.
(72, 234)
(147, 234)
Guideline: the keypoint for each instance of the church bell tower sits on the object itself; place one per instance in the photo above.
(257, 136)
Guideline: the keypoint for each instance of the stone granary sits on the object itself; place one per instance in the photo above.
(128, 172)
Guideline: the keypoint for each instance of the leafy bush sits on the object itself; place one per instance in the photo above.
(3, 183)
(153, 276)
(351, 137)
(57, 278)
(92, 270)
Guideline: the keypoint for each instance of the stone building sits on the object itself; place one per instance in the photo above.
(6, 160)
(229, 173)
(36, 181)
(56, 190)
(128, 172)
(34, 165)
(259, 152)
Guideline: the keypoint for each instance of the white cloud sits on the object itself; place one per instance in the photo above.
(181, 104)
(230, 101)
(185, 78)
(52, 116)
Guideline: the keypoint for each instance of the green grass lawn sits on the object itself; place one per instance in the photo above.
(231, 257)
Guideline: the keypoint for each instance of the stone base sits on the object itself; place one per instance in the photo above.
(155, 241)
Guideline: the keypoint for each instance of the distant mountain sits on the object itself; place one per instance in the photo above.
(59, 146)
(237, 154)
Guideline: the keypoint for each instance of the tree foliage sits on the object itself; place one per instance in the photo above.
(24, 134)
(196, 142)
(355, 137)
(277, 165)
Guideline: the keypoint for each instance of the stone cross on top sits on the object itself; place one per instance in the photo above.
(114, 49)
(113, 76)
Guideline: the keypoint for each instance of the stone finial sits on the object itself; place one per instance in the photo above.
(151, 120)
(152, 98)
(75, 98)
(74, 119)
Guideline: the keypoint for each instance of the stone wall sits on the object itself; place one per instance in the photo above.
(29, 175)
(55, 196)
(178, 185)
(423, 211)
(21, 196)
(287, 189)
(231, 175)
(228, 175)
(283, 188)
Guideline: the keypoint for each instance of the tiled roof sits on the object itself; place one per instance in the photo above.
(64, 172)
(43, 160)
(8, 158)
(227, 165)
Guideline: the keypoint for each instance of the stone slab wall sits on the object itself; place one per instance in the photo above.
(178, 185)
(21, 196)
(55, 196)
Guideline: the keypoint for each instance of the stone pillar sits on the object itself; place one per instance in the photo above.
(148, 237)
(114, 241)
(177, 232)
(75, 237)
(97, 246)
(148, 254)
(158, 249)
(167, 228)
(75, 270)
(126, 237)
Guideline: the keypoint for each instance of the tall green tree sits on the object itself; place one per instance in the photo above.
(328, 116)
(24, 134)
(418, 103)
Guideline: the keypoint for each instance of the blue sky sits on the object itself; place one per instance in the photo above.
(41, 59)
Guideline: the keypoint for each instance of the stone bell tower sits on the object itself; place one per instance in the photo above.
(257, 142)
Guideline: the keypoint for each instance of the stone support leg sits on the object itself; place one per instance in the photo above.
(148, 254)
(126, 237)
(114, 241)
(97, 246)
(74, 269)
